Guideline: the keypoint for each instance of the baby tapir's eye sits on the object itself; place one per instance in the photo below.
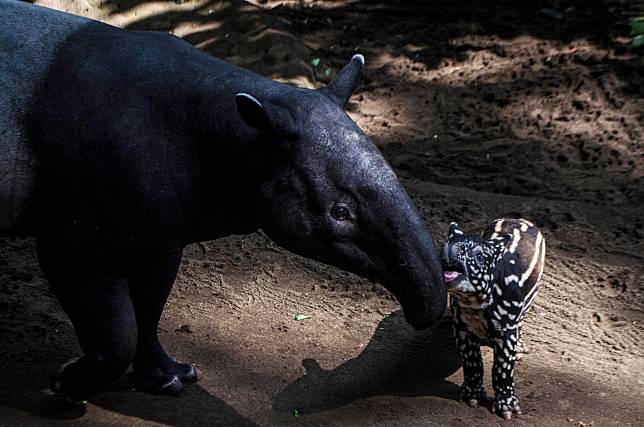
(340, 212)
(479, 258)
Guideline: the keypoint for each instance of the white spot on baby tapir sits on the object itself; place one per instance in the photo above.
(499, 291)
(512, 261)
(501, 311)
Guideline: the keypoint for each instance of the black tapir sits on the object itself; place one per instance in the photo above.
(119, 148)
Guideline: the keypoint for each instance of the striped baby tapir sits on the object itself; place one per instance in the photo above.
(492, 281)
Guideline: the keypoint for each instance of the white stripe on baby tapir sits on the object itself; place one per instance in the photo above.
(516, 236)
(542, 258)
(498, 226)
(511, 278)
(535, 257)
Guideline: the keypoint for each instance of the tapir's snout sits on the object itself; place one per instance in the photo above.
(421, 290)
(427, 310)
(426, 318)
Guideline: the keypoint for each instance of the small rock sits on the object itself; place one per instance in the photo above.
(184, 328)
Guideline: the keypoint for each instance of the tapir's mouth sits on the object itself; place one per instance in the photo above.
(452, 272)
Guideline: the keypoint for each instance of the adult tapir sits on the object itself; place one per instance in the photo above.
(119, 148)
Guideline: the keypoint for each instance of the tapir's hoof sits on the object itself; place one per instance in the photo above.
(192, 376)
(506, 407)
(56, 385)
(172, 387)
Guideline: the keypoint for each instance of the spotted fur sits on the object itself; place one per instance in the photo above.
(492, 281)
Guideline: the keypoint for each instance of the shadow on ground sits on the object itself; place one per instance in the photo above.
(397, 361)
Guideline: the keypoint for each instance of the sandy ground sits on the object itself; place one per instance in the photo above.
(484, 109)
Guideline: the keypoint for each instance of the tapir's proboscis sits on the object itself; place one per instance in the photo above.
(119, 148)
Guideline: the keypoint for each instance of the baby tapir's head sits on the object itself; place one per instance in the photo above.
(469, 265)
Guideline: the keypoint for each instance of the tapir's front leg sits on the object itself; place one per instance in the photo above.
(150, 286)
(505, 403)
(469, 348)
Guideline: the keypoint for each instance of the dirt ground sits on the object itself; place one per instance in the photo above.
(484, 109)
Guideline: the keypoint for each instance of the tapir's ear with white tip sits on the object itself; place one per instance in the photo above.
(253, 112)
(341, 88)
(454, 230)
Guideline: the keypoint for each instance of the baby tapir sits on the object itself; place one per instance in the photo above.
(492, 281)
(118, 148)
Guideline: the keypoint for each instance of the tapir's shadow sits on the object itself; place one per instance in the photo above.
(397, 361)
(196, 407)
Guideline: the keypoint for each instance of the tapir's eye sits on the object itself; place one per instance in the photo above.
(340, 212)
(477, 254)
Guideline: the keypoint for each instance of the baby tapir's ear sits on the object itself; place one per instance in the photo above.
(264, 117)
(454, 229)
(341, 88)
(501, 243)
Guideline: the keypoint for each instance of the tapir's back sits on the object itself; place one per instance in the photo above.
(29, 36)
(524, 258)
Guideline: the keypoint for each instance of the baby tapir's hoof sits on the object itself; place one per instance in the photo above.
(505, 407)
(473, 397)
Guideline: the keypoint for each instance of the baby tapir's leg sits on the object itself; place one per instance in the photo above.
(102, 314)
(469, 348)
(150, 285)
(521, 347)
(505, 403)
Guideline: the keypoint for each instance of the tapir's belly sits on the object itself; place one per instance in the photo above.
(29, 37)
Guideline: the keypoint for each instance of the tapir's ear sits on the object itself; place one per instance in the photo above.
(253, 112)
(341, 88)
(263, 116)
(501, 243)
(454, 229)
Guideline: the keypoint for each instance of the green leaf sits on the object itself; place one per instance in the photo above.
(638, 41)
(637, 26)
(300, 316)
(315, 62)
(296, 413)
(327, 72)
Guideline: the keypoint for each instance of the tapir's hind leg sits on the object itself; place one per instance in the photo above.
(103, 317)
(150, 285)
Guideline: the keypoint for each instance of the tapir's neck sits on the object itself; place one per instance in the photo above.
(233, 166)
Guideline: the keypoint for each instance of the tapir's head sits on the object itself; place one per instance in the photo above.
(331, 196)
(470, 264)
